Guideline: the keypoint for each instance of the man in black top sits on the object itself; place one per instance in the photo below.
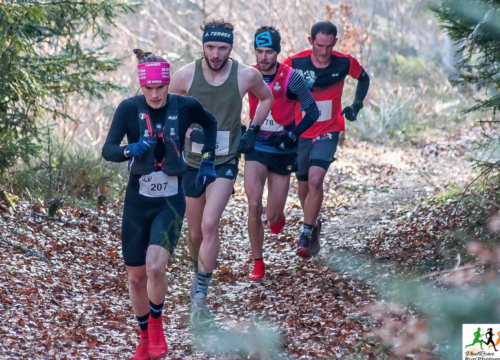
(155, 125)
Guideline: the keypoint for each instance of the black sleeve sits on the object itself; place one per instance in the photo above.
(298, 87)
(199, 115)
(362, 87)
(112, 151)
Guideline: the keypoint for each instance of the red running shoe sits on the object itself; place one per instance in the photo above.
(258, 270)
(276, 228)
(158, 348)
(141, 353)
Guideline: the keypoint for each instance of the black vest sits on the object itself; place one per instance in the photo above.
(173, 163)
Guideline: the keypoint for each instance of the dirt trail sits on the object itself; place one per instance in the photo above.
(77, 307)
(388, 178)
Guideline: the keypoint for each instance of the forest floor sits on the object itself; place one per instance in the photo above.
(379, 203)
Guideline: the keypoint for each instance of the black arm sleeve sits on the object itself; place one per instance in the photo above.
(362, 87)
(298, 87)
(199, 115)
(112, 151)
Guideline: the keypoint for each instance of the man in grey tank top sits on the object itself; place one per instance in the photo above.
(219, 83)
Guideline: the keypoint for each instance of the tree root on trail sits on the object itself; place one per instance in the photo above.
(24, 249)
(20, 247)
(51, 217)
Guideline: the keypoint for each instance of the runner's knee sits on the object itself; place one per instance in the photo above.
(273, 216)
(315, 183)
(209, 226)
(155, 271)
(195, 236)
(138, 282)
(255, 208)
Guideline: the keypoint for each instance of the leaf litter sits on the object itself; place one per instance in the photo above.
(77, 306)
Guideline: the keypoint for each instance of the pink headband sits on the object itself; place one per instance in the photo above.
(154, 73)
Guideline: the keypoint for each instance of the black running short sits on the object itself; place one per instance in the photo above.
(318, 151)
(281, 164)
(150, 221)
(225, 171)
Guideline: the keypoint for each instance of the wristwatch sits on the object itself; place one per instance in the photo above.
(209, 155)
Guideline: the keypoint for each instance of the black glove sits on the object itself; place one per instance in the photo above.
(197, 136)
(351, 112)
(285, 141)
(247, 142)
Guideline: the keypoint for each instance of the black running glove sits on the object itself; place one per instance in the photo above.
(247, 142)
(197, 136)
(351, 112)
(285, 141)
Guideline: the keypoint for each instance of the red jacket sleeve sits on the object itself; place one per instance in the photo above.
(355, 68)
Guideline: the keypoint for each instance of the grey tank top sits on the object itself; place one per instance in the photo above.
(225, 103)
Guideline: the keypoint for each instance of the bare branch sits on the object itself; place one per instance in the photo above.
(176, 25)
(161, 28)
(135, 37)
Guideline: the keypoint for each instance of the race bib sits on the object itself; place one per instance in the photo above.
(221, 146)
(325, 110)
(158, 184)
(271, 125)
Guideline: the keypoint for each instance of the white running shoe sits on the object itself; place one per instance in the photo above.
(199, 310)
(194, 286)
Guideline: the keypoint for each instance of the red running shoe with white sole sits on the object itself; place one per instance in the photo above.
(158, 348)
(259, 268)
(141, 353)
(276, 228)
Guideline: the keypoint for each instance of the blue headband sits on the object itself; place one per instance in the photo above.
(268, 38)
(224, 35)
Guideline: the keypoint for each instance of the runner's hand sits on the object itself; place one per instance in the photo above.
(247, 142)
(138, 149)
(285, 141)
(206, 173)
(196, 135)
(351, 112)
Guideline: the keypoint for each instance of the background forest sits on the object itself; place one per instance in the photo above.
(411, 204)
(398, 42)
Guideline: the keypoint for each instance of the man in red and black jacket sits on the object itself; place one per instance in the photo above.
(324, 71)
